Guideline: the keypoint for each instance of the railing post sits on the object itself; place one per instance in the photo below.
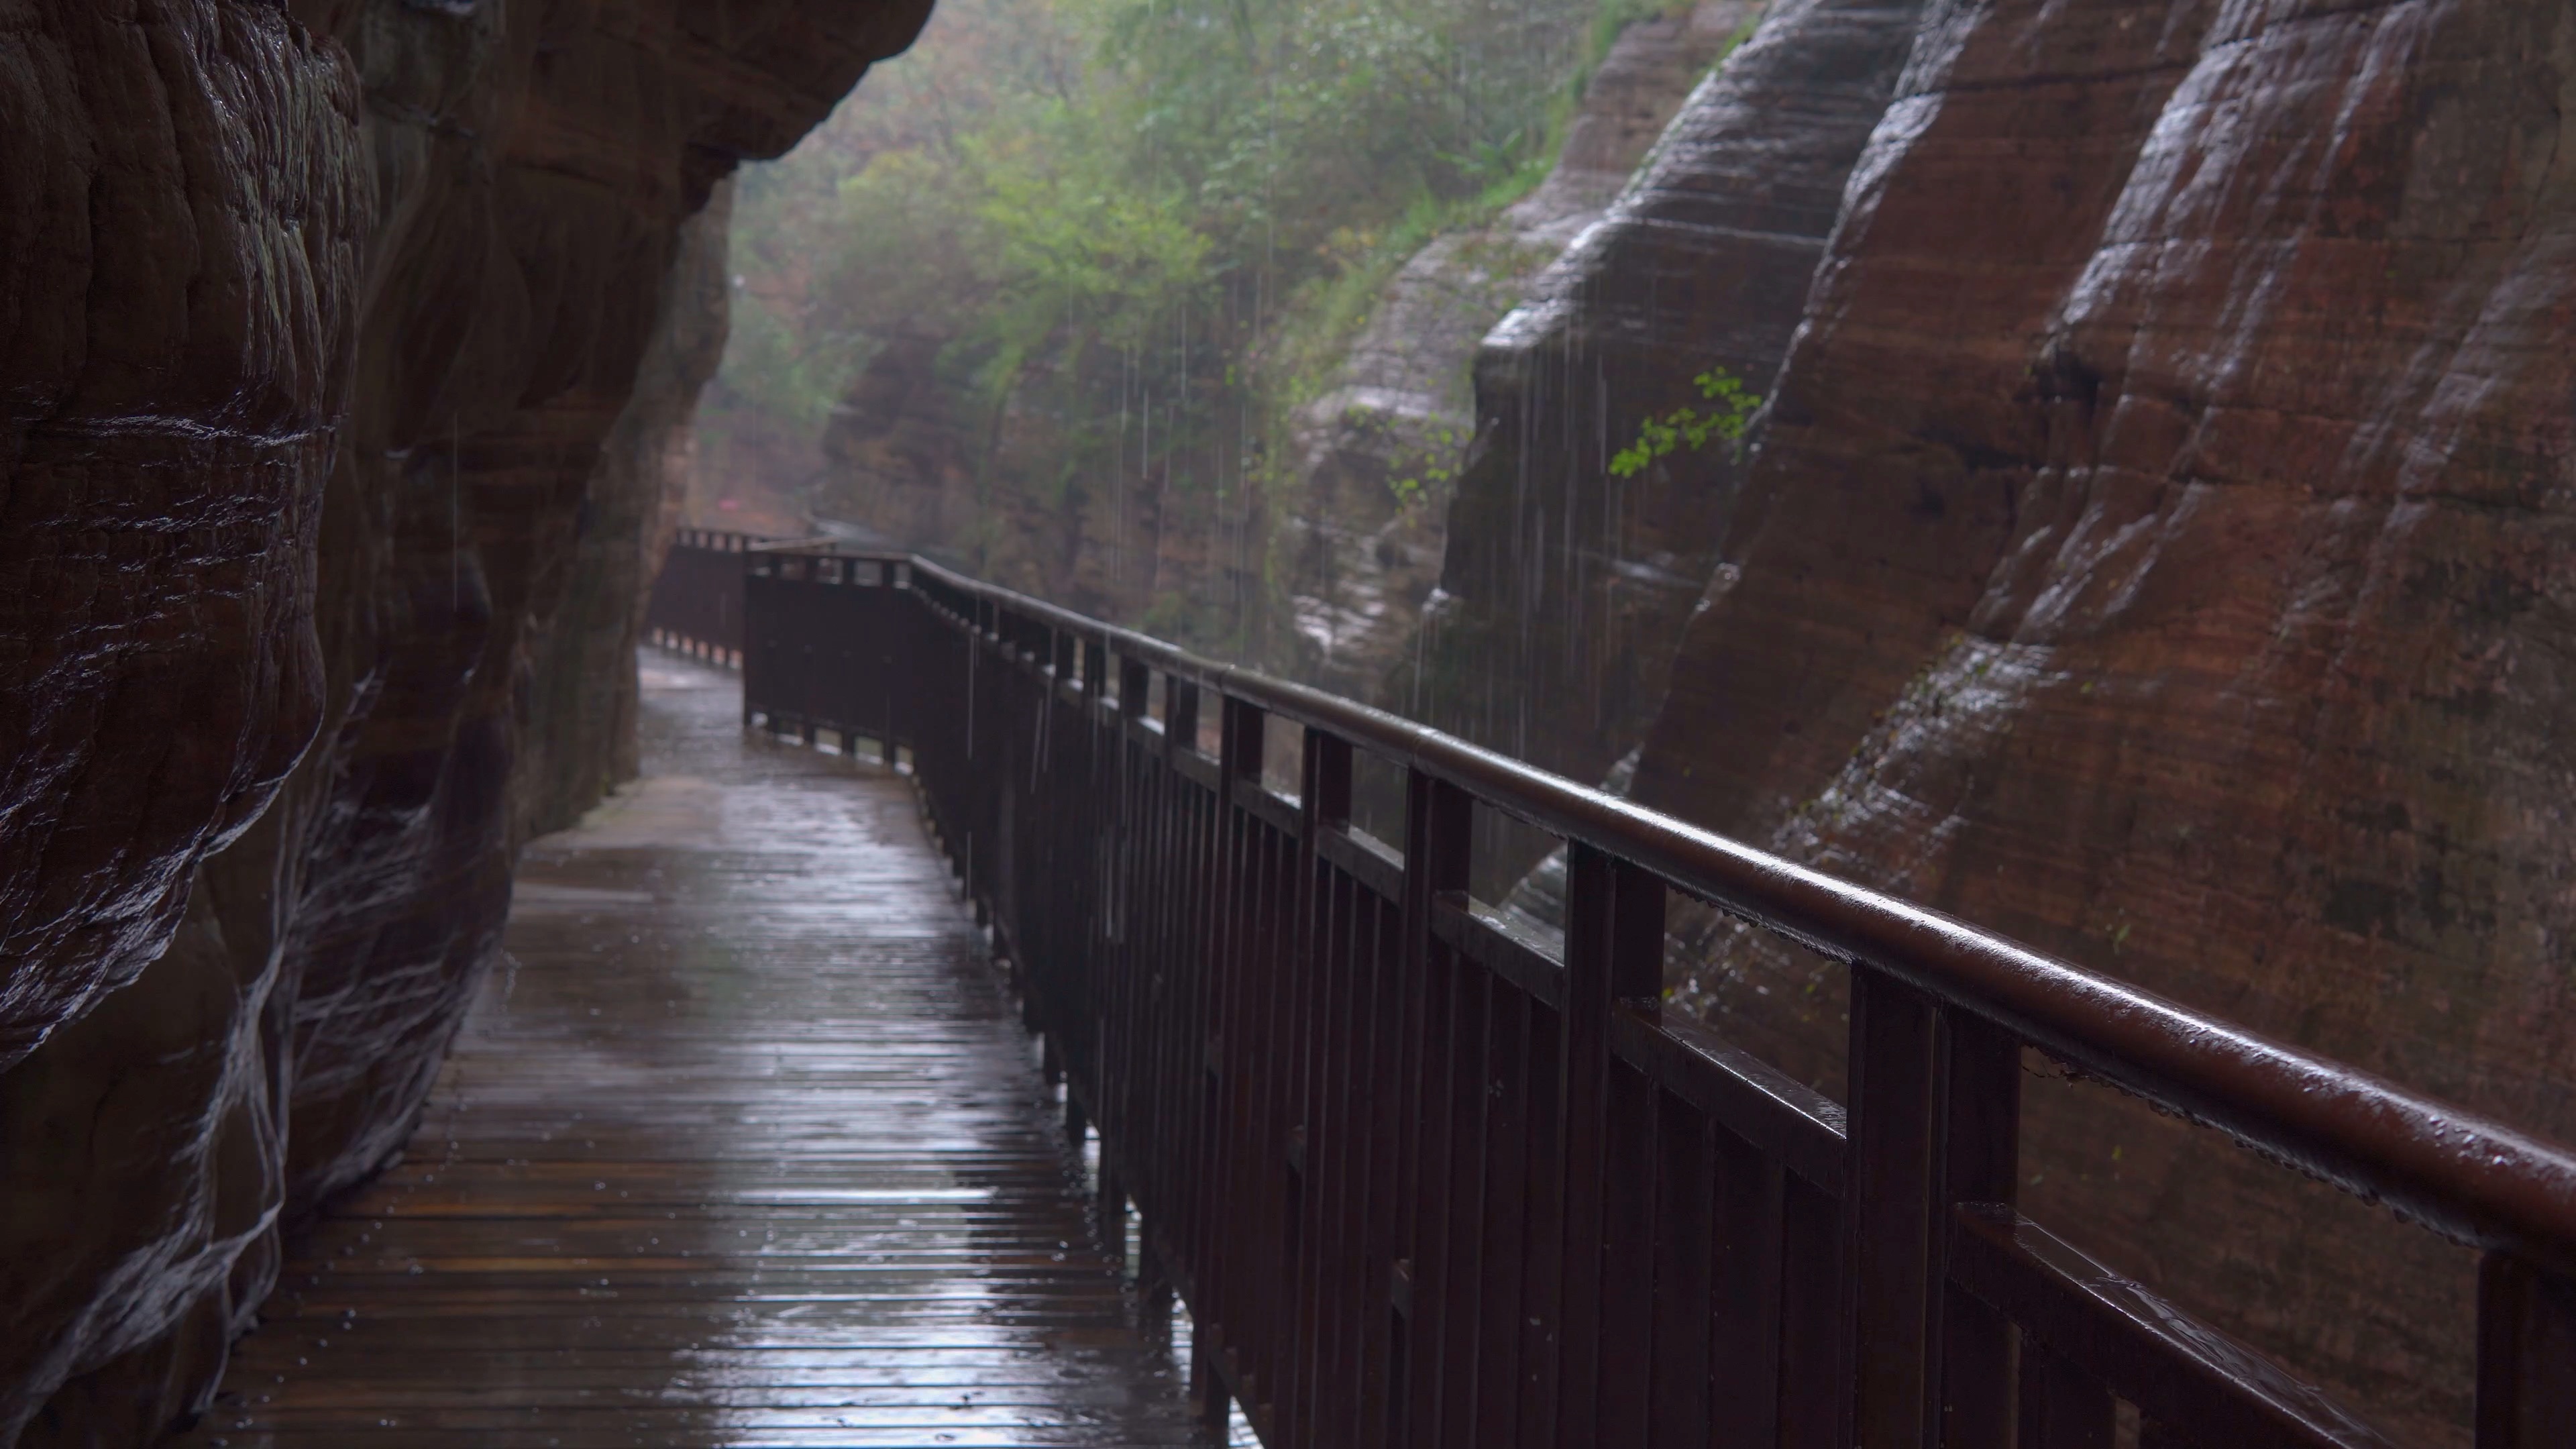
(1180, 713)
(1135, 687)
(1243, 737)
(1614, 942)
(1438, 821)
(1326, 792)
(1319, 1256)
(1935, 1120)
(751, 678)
(2526, 1355)
(1980, 1068)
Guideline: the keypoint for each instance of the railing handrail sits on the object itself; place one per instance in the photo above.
(2456, 1172)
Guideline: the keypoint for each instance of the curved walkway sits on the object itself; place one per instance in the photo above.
(747, 1149)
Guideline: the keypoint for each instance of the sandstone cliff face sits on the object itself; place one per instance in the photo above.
(182, 206)
(2161, 552)
(1563, 587)
(214, 197)
(580, 738)
(1370, 496)
(534, 166)
(180, 210)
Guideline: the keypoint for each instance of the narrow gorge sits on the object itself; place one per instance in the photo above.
(322, 325)
(2152, 546)
(2155, 541)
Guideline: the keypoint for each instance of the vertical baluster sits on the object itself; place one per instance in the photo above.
(1935, 1119)
(1163, 1128)
(2526, 1355)
(1196, 942)
(1251, 1194)
(1980, 1147)
(1543, 1238)
(1887, 1338)
(1324, 798)
(1434, 1013)
(1342, 1314)
(1106, 859)
(1180, 712)
(1152, 916)
(1504, 1216)
(1214, 915)
(753, 679)
(1384, 1048)
(1472, 991)
(1437, 821)
(1613, 951)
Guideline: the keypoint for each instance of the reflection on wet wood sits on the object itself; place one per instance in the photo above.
(747, 1149)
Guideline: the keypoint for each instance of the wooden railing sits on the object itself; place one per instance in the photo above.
(696, 605)
(1423, 1176)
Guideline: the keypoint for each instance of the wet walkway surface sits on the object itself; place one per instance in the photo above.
(746, 1149)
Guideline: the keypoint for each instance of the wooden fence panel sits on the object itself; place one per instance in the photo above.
(1424, 1174)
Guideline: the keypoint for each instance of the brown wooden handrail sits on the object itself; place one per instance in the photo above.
(1182, 931)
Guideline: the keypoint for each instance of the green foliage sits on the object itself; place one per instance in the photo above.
(1139, 233)
(1429, 466)
(1729, 413)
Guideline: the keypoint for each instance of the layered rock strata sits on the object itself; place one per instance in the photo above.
(182, 212)
(580, 739)
(181, 206)
(206, 201)
(1365, 520)
(2164, 552)
(1564, 586)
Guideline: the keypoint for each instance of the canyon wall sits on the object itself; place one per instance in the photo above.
(1564, 586)
(1366, 507)
(579, 739)
(2163, 551)
(182, 211)
(1263, 471)
(319, 318)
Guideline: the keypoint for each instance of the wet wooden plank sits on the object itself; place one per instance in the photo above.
(748, 1148)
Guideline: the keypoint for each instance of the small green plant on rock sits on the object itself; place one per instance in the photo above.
(1430, 466)
(1729, 413)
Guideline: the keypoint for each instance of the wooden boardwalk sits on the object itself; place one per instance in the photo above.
(746, 1149)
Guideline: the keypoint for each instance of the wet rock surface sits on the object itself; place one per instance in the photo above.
(1564, 587)
(181, 205)
(206, 202)
(2160, 553)
(1369, 503)
(581, 736)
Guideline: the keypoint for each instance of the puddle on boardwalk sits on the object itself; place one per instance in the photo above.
(745, 1148)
